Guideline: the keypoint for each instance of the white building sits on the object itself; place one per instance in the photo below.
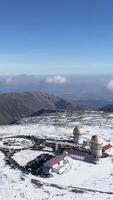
(56, 164)
(96, 146)
(78, 136)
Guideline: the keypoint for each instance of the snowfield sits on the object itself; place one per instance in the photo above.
(95, 182)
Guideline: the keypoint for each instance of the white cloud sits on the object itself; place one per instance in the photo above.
(10, 80)
(56, 80)
(110, 85)
(23, 78)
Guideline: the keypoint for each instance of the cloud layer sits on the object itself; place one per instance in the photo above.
(110, 85)
(56, 80)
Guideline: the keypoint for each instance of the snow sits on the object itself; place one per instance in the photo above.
(25, 156)
(15, 143)
(17, 186)
(86, 173)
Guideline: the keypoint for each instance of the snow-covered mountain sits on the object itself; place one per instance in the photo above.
(81, 181)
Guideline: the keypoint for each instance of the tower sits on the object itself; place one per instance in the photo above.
(77, 134)
(96, 146)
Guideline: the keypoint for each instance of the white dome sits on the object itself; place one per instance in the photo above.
(96, 139)
(77, 131)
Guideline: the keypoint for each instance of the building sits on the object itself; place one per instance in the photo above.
(106, 148)
(56, 146)
(56, 164)
(96, 146)
(82, 155)
(78, 136)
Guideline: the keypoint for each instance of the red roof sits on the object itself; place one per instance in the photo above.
(56, 159)
(77, 152)
(106, 147)
(86, 156)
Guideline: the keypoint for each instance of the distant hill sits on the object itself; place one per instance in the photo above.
(107, 108)
(14, 106)
(46, 111)
(91, 104)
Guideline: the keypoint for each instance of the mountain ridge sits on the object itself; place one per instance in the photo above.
(107, 108)
(14, 106)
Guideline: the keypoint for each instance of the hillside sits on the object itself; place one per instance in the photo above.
(83, 180)
(91, 104)
(107, 108)
(14, 106)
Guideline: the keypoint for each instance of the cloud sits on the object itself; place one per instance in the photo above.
(21, 79)
(110, 85)
(56, 80)
(10, 80)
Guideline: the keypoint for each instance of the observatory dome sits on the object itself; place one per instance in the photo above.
(96, 139)
(77, 131)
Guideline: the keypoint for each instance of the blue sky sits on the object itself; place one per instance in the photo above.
(56, 37)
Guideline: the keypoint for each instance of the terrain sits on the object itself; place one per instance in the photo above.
(82, 180)
(14, 106)
(91, 91)
(91, 104)
(107, 108)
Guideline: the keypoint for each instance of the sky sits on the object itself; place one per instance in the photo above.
(56, 37)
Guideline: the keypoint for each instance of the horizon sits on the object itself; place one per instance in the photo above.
(70, 87)
(57, 74)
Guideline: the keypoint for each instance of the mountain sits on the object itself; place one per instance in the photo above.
(14, 106)
(22, 145)
(107, 108)
(74, 87)
(90, 104)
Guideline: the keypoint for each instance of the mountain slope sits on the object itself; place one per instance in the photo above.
(14, 106)
(91, 104)
(107, 108)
